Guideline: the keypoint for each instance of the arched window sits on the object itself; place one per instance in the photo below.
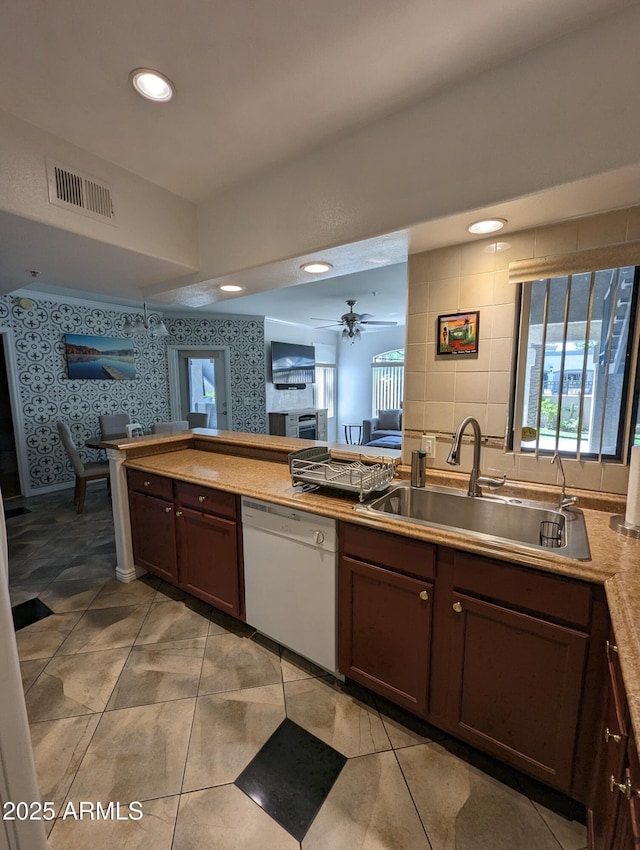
(388, 381)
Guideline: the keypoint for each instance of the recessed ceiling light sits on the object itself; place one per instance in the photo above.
(317, 267)
(152, 84)
(487, 225)
(231, 287)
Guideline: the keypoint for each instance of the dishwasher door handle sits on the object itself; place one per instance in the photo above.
(318, 537)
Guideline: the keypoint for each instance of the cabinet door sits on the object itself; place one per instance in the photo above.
(385, 632)
(153, 533)
(208, 547)
(515, 687)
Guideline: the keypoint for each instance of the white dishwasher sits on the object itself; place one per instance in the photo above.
(290, 578)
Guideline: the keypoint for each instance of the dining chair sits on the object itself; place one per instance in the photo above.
(113, 425)
(198, 420)
(84, 471)
(170, 427)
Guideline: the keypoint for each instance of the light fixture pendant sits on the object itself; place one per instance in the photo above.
(152, 84)
(487, 225)
(149, 324)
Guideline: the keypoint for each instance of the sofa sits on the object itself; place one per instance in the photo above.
(383, 430)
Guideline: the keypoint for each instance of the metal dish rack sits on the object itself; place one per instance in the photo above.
(316, 467)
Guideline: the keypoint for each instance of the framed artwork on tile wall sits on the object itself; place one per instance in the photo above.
(99, 358)
(458, 333)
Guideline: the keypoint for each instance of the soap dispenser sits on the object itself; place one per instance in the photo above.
(418, 468)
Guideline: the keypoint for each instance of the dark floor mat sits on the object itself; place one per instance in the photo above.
(29, 612)
(9, 513)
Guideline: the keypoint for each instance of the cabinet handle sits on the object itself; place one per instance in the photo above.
(168, 510)
(147, 483)
(623, 787)
(612, 647)
(609, 735)
(201, 498)
(424, 595)
(457, 607)
(178, 513)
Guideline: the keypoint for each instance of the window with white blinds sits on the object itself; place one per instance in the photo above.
(575, 364)
(388, 381)
(325, 388)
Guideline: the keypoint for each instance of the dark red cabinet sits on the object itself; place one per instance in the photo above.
(515, 686)
(497, 654)
(385, 632)
(190, 536)
(614, 810)
(208, 558)
(153, 535)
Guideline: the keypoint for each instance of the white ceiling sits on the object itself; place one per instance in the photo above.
(272, 285)
(382, 292)
(258, 81)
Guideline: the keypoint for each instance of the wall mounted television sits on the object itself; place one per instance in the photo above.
(293, 366)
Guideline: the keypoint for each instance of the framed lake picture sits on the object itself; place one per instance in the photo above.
(458, 333)
(99, 358)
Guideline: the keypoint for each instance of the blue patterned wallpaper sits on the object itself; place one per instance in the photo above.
(46, 394)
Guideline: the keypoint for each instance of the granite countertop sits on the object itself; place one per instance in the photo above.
(217, 440)
(615, 559)
(271, 481)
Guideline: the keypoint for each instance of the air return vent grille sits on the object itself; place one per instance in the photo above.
(79, 192)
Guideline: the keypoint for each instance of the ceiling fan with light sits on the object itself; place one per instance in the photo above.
(352, 322)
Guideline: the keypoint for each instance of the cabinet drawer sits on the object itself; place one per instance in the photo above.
(153, 485)
(207, 500)
(403, 554)
(553, 596)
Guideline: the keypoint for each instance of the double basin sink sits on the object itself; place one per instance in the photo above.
(495, 519)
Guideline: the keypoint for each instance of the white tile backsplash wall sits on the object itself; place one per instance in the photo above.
(556, 239)
(439, 386)
(414, 386)
(499, 387)
(476, 290)
(606, 229)
(472, 387)
(444, 295)
(474, 277)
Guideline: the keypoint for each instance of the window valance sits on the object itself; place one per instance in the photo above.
(607, 257)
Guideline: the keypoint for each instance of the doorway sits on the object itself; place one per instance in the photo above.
(199, 382)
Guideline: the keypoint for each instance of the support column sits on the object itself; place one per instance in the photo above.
(126, 570)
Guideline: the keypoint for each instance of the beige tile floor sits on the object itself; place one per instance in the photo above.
(139, 693)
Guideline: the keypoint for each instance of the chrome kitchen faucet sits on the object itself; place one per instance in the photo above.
(477, 479)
